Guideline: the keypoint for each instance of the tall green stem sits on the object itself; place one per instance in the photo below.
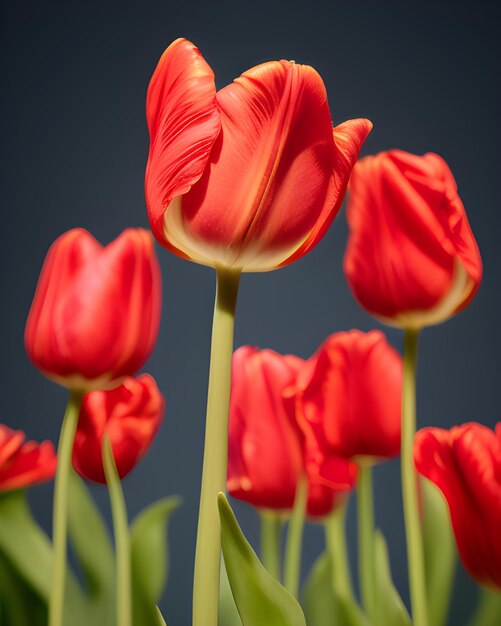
(60, 509)
(292, 567)
(121, 530)
(415, 552)
(366, 552)
(271, 526)
(208, 551)
(335, 535)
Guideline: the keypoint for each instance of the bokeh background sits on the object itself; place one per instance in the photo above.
(73, 150)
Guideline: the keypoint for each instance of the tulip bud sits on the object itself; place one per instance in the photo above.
(130, 415)
(349, 398)
(24, 463)
(465, 464)
(249, 177)
(411, 259)
(96, 310)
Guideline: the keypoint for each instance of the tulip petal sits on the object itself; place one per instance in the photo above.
(349, 138)
(183, 123)
(269, 173)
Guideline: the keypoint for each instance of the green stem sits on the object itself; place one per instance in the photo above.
(415, 552)
(366, 550)
(121, 530)
(271, 526)
(335, 535)
(292, 566)
(208, 550)
(488, 611)
(60, 509)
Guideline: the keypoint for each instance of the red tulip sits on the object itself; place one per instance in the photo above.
(266, 451)
(130, 415)
(411, 258)
(24, 463)
(96, 311)
(249, 177)
(349, 397)
(465, 463)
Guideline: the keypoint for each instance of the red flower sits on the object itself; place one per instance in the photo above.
(129, 415)
(465, 463)
(24, 463)
(411, 258)
(96, 310)
(266, 452)
(349, 397)
(249, 177)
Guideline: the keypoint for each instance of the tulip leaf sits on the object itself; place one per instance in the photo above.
(19, 605)
(488, 611)
(322, 605)
(260, 599)
(149, 559)
(31, 557)
(228, 612)
(391, 609)
(440, 552)
(90, 539)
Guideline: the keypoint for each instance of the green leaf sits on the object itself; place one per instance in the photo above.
(19, 605)
(89, 538)
(322, 605)
(488, 611)
(228, 612)
(440, 552)
(391, 609)
(160, 618)
(27, 549)
(260, 599)
(148, 536)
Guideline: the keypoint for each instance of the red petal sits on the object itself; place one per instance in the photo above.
(183, 122)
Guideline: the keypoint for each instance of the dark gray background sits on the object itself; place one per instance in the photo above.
(74, 146)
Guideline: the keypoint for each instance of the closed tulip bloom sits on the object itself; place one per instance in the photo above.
(411, 259)
(248, 177)
(266, 452)
(130, 415)
(349, 398)
(465, 464)
(96, 310)
(24, 463)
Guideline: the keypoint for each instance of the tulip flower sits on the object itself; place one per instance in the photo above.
(411, 261)
(96, 310)
(248, 177)
(266, 455)
(94, 319)
(465, 464)
(267, 464)
(24, 463)
(130, 415)
(404, 211)
(349, 405)
(349, 400)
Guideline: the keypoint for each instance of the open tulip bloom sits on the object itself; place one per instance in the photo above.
(248, 179)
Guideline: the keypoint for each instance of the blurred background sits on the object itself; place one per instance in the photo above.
(73, 149)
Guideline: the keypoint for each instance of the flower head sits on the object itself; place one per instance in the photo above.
(96, 310)
(248, 177)
(465, 464)
(24, 463)
(411, 259)
(349, 398)
(130, 415)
